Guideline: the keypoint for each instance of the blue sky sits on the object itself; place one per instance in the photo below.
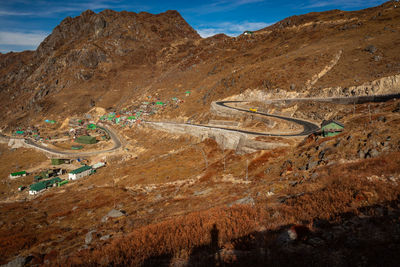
(25, 23)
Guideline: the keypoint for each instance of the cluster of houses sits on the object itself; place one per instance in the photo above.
(135, 114)
(50, 178)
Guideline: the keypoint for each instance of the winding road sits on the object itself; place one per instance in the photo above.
(308, 127)
(114, 137)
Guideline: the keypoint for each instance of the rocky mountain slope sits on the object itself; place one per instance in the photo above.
(112, 58)
(169, 199)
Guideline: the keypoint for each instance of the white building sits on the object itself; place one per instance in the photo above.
(98, 165)
(80, 172)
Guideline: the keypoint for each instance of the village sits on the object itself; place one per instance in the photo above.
(81, 134)
(55, 177)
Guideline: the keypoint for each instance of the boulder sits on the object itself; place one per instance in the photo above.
(245, 200)
(371, 49)
(19, 261)
(373, 152)
(311, 165)
(88, 237)
(105, 237)
(113, 214)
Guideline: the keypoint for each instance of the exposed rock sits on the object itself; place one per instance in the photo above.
(382, 118)
(371, 49)
(245, 200)
(202, 192)
(88, 237)
(373, 153)
(113, 214)
(321, 154)
(361, 154)
(105, 237)
(312, 165)
(19, 261)
(314, 176)
(397, 108)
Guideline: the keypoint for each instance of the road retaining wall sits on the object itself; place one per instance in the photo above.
(226, 139)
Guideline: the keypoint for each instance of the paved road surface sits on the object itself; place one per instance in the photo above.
(308, 127)
(109, 130)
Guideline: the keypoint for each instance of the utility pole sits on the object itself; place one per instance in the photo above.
(247, 169)
(354, 108)
(204, 156)
(114, 189)
(369, 111)
(223, 154)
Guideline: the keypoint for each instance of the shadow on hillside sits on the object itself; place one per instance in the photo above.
(369, 238)
(207, 255)
(163, 260)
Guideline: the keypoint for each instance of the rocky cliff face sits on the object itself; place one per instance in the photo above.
(80, 48)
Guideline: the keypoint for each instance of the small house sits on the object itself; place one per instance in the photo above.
(248, 33)
(62, 183)
(86, 139)
(57, 161)
(37, 187)
(21, 188)
(17, 174)
(80, 172)
(53, 182)
(60, 161)
(331, 128)
(98, 165)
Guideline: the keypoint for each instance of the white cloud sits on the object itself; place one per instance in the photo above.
(12, 13)
(48, 9)
(341, 3)
(22, 38)
(231, 29)
(220, 6)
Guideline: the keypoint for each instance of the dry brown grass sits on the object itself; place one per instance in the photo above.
(341, 190)
(169, 237)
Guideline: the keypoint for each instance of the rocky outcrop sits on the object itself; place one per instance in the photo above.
(386, 85)
(79, 49)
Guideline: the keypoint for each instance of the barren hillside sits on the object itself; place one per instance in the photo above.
(192, 183)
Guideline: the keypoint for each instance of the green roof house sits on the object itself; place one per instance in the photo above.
(331, 128)
(17, 174)
(80, 172)
(36, 188)
(57, 161)
(86, 139)
(52, 181)
(62, 183)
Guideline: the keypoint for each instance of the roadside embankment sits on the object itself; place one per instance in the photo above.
(226, 139)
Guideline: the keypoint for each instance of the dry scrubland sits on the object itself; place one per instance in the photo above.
(170, 215)
(185, 201)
